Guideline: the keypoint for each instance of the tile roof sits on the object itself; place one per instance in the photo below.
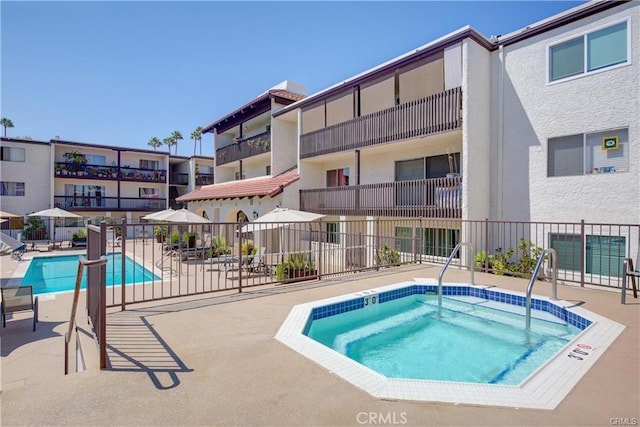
(260, 187)
(282, 93)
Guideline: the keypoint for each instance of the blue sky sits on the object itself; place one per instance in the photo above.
(119, 73)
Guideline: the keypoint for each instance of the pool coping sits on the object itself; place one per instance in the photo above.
(545, 388)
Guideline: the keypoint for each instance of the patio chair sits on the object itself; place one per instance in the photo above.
(633, 273)
(256, 265)
(16, 299)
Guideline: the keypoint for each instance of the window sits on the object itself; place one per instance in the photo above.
(12, 154)
(604, 255)
(586, 153)
(338, 177)
(238, 178)
(404, 239)
(84, 195)
(95, 159)
(439, 241)
(149, 164)
(589, 53)
(268, 170)
(11, 188)
(333, 232)
(148, 193)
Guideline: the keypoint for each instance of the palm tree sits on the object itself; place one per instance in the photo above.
(169, 142)
(176, 136)
(196, 135)
(155, 143)
(6, 123)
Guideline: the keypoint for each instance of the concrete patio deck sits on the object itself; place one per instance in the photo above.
(213, 360)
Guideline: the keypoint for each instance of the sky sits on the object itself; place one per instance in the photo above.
(119, 73)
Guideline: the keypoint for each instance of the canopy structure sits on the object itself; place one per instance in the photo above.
(55, 213)
(184, 216)
(158, 216)
(280, 217)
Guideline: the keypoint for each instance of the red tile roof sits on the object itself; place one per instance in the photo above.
(282, 93)
(260, 187)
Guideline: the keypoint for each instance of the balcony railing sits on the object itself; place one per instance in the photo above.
(102, 172)
(179, 179)
(204, 179)
(440, 112)
(425, 198)
(244, 148)
(97, 203)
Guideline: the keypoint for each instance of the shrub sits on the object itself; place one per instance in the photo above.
(387, 256)
(80, 234)
(248, 248)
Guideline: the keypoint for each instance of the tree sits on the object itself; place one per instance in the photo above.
(6, 123)
(169, 142)
(155, 143)
(196, 135)
(176, 136)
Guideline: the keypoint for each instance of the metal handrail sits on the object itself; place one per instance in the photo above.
(82, 262)
(554, 281)
(446, 264)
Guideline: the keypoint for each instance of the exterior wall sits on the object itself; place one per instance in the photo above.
(422, 80)
(476, 130)
(340, 108)
(453, 66)
(36, 172)
(284, 146)
(313, 118)
(535, 111)
(377, 96)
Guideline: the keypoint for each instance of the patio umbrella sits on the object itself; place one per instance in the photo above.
(158, 216)
(4, 214)
(183, 215)
(280, 218)
(55, 213)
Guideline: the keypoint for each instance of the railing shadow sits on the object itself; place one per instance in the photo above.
(134, 345)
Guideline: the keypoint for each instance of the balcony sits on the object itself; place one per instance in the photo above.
(436, 113)
(243, 148)
(112, 173)
(422, 198)
(98, 203)
(204, 179)
(179, 178)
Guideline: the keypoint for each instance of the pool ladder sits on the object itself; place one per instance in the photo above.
(446, 264)
(554, 281)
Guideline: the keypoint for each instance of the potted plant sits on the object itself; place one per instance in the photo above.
(190, 238)
(219, 247)
(79, 238)
(298, 266)
(160, 231)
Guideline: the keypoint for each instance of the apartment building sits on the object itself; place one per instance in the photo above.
(95, 180)
(256, 160)
(537, 125)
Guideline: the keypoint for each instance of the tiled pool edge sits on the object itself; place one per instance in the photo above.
(544, 389)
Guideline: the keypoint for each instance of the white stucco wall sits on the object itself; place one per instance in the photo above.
(535, 111)
(476, 130)
(36, 172)
(284, 146)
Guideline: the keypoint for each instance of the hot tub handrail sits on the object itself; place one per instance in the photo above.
(446, 264)
(554, 281)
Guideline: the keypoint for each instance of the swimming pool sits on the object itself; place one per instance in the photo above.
(58, 273)
(384, 339)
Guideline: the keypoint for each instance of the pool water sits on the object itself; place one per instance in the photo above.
(467, 341)
(58, 273)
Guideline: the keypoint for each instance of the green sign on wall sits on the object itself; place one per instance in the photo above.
(610, 143)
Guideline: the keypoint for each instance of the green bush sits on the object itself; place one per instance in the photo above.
(218, 247)
(248, 248)
(80, 234)
(387, 256)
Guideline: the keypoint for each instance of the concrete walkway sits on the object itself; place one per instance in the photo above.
(213, 360)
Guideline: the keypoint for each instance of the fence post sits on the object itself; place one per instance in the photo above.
(123, 259)
(420, 240)
(582, 247)
(319, 249)
(486, 245)
(240, 260)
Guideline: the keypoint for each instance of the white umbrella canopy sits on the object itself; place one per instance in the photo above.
(159, 216)
(55, 213)
(4, 214)
(183, 215)
(280, 217)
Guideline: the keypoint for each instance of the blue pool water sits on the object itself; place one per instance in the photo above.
(467, 342)
(58, 273)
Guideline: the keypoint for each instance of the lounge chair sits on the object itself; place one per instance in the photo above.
(16, 299)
